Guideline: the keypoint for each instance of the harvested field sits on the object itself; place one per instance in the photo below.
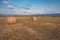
(44, 28)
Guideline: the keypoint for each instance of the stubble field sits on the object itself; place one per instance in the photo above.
(44, 28)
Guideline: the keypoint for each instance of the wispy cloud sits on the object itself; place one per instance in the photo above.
(5, 2)
(10, 6)
(18, 12)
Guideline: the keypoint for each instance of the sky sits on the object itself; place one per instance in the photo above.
(27, 7)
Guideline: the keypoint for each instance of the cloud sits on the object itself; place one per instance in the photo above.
(26, 12)
(58, 12)
(5, 2)
(26, 8)
(10, 7)
(31, 12)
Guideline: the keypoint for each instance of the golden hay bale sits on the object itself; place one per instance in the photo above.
(34, 19)
(11, 20)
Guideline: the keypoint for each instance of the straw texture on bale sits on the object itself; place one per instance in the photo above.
(34, 19)
(11, 20)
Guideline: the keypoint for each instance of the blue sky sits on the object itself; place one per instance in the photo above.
(29, 6)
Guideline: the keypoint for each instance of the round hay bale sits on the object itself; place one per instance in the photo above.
(34, 19)
(11, 20)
